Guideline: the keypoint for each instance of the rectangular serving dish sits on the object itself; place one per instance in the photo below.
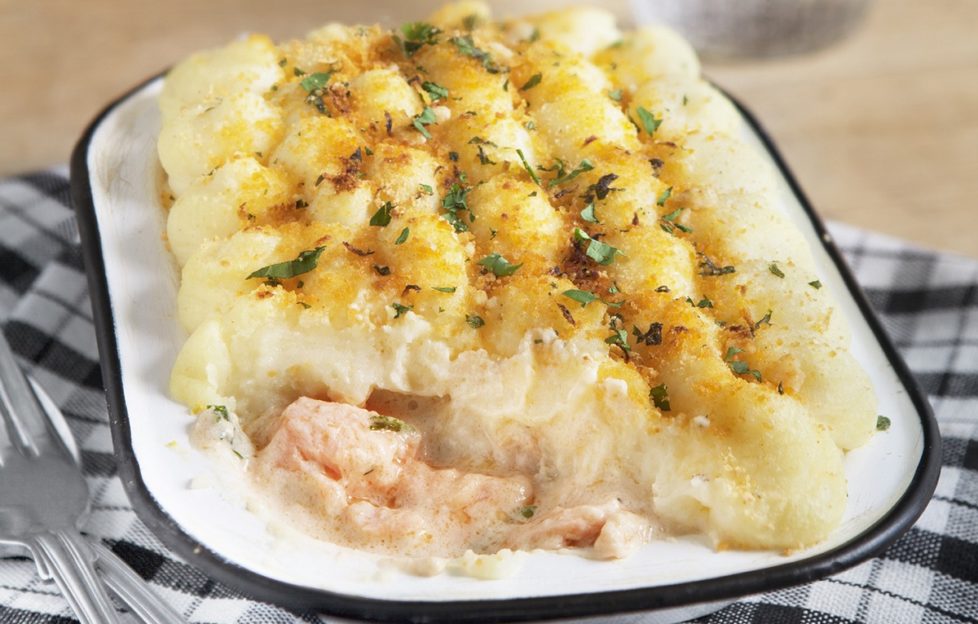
(133, 279)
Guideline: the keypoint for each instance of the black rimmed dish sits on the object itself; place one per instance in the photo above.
(115, 181)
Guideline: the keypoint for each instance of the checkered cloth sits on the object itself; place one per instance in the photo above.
(928, 302)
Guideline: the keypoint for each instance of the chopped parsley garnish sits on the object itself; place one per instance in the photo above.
(435, 90)
(602, 253)
(221, 411)
(444, 289)
(403, 236)
(709, 268)
(532, 82)
(649, 122)
(526, 165)
(765, 320)
(304, 262)
(315, 81)
(602, 187)
(588, 214)
(453, 202)
(668, 222)
(562, 177)
(663, 197)
(467, 47)
(651, 337)
(315, 84)
(499, 265)
(703, 303)
(301, 203)
(816, 284)
(474, 320)
(615, 95)
(660, 397)
(388, 423)
(773, 268)
(298, 72)
(426, 189)
(780, 387)
(739, 366)
(382, 270)
(427, 117)
(882, 423)
(400, 309)
(583, 297)
(528, 511)
(382, 217)
(417, 35)
(618, 337)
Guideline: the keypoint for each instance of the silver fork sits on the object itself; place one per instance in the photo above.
(43, 498)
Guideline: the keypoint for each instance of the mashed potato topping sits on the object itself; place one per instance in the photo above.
(475, 285)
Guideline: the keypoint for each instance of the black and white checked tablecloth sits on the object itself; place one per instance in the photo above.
(928, 302)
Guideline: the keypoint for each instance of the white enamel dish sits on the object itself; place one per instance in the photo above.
(115, 187)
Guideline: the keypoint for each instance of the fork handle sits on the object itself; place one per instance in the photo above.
(63, 556)
(133, 590)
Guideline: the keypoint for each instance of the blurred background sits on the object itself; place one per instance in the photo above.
(881, 126)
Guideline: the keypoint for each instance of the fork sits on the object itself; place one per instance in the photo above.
(43, 498)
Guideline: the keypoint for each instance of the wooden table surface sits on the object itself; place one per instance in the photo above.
(882, 129)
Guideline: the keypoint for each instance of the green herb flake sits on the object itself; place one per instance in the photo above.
(588, 214)
(882, 423)
(467, 47)
(528, 511)
(615, 95)
(426, 189)
(562, 178)
(403, 236)
(780, 387)
(383, 271)
(474, 320)
(702, 303)
(709, 268)
(773, 268)
(663, 197)
(315, 81)
(400, 310)
(499, 265)
(435, 90)
(815, 284)
(532, 82)
(765, 320)
(382, 217)
(583, 297)
(526, 165)
(619, 337)
(453, 202)
(739, 366)
(602, 253)
(304, 262)
(649, 122)
(417, 35)
(426, 118)
(220, 411)
(660, 397)
(298, 72)
(379, 422)
(445, 289)
(235, 451)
